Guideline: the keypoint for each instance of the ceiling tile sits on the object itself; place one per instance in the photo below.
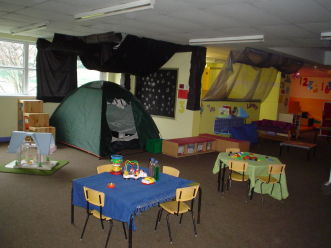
(10, 7)
(167, 6)
(46, 15)
(296, 11)
(325, 3)
(288, 31)
(24, 2)
(3, 13)
(247, 14)
(58, 7)
(170, 22)
(312, 42)
(210, 20)
(243, 31)
(202, 4)
(316, 28)
(22, 18)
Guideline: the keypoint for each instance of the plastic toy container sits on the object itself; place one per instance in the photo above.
(154, 145)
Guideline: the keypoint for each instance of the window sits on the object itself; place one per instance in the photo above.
(18, 68)
(85, 75)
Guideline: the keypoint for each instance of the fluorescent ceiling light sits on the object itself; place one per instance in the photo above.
(116, 10)
(33, 27)
(239, 39)
(326, 36)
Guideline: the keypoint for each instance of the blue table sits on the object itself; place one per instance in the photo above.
(129, 197)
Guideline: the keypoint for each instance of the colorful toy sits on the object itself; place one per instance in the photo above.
(116, 159)
(111, 185)
(246, 156)
(132, 172)
(148, 180)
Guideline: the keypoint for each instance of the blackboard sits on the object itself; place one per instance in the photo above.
(157, 92)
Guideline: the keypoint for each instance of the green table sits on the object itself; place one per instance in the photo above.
(255, 168)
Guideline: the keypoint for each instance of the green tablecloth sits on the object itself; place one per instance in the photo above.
(257, 168)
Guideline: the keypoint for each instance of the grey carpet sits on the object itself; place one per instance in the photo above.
(35, 210)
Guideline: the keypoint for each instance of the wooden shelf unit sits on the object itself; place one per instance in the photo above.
(223, 142)
(27, 106)
(183, 147)
(31, 117)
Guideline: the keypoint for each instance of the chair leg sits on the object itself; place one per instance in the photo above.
(81, 237)
(126, 238)
(227, 186)
(169, 228)
(103, 228)
(261, 192)
(195, 229)
(180, 220)
(158, 218)
(252, 192)
(272, 189)
(110, 228)
(228, 182)
(248, 186)
(281, 192)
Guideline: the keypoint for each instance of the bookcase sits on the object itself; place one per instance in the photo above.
(188, 146)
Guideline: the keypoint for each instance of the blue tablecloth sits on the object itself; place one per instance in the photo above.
(129, 197)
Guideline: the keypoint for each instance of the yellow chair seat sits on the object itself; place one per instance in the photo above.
(96, 214)
(239, 177)
(172, 207)
(265, 179)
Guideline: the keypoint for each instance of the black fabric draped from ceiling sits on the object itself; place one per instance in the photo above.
(56, 73)
(134, 55)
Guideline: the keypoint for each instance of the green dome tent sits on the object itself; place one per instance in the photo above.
(91, 117)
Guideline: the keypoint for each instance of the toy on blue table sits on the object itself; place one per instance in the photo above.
(131, 170)
(116, 159)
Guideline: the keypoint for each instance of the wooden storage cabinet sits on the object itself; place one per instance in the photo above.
(223, 142)
(188, 146)
(31, 117)
(28, 106)
(35, 120)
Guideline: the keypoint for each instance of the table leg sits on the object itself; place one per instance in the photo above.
(288, 148)
(72, 207)
(280, 151)
(223, 178)
(130, 231)
(219, 176)
(308, 154)
(314, 151)
(199, 205)
(315, 135)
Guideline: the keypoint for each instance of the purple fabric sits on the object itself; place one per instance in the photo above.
(274, 126)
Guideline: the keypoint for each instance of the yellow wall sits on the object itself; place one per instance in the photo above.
(269, 108)
(9, 113)
(182, 125)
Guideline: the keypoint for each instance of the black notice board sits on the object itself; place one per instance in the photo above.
(157, 92)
